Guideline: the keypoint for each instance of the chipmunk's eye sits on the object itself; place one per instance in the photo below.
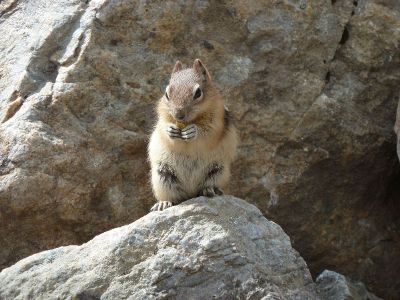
(197, 94)
(166, 95)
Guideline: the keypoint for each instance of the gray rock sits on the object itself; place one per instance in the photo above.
(219, 248)
(334, 286)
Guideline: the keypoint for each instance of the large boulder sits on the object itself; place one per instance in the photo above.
(313, 86)
(73, 137)
(220, 248)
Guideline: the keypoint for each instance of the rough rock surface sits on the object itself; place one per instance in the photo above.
(313, 85)
(334, 286)
(72, 153)
(397, 130)
(220, 248)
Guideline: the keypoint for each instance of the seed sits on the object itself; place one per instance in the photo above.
(180, 125)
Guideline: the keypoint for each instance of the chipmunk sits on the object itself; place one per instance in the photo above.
(194, 141)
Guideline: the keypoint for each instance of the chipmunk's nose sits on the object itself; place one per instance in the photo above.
(179, 115)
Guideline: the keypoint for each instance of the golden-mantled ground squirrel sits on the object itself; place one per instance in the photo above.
(194, 140)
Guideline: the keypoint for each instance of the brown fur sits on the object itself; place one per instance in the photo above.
(215, 143)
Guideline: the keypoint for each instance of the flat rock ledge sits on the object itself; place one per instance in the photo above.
(219, 248)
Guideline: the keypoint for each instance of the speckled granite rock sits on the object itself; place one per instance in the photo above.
(312, 84)
(220, 248)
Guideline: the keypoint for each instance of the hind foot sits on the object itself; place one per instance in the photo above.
(159, 206)
(211, 192)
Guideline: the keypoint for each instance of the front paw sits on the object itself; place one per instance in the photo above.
(189, 132)
(211, 192)
(173, 131)
(159, 206)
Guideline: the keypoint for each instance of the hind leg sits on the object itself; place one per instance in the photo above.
(166, 186)
(216, 178)
(211, 191)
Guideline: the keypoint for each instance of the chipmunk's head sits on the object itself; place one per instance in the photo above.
(188, 92)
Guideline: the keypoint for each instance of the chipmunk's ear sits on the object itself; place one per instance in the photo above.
(178, 66)
(201, 69)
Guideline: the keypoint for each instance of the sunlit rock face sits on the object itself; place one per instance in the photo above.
(221, 248)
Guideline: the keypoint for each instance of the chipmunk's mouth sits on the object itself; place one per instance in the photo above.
(179, 123)
(182, 120)
(179, 115)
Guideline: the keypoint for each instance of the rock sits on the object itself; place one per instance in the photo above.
(397, 130)
(336, 167)
(334, 286)
(313, 86)
(220, 248)
(72, 142)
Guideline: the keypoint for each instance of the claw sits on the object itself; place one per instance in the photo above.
(218, 191)
(208, 192)
(159, 206)
(190, 127)
(211, 192)
(173, 132)
(189, 132)
(174, 136)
